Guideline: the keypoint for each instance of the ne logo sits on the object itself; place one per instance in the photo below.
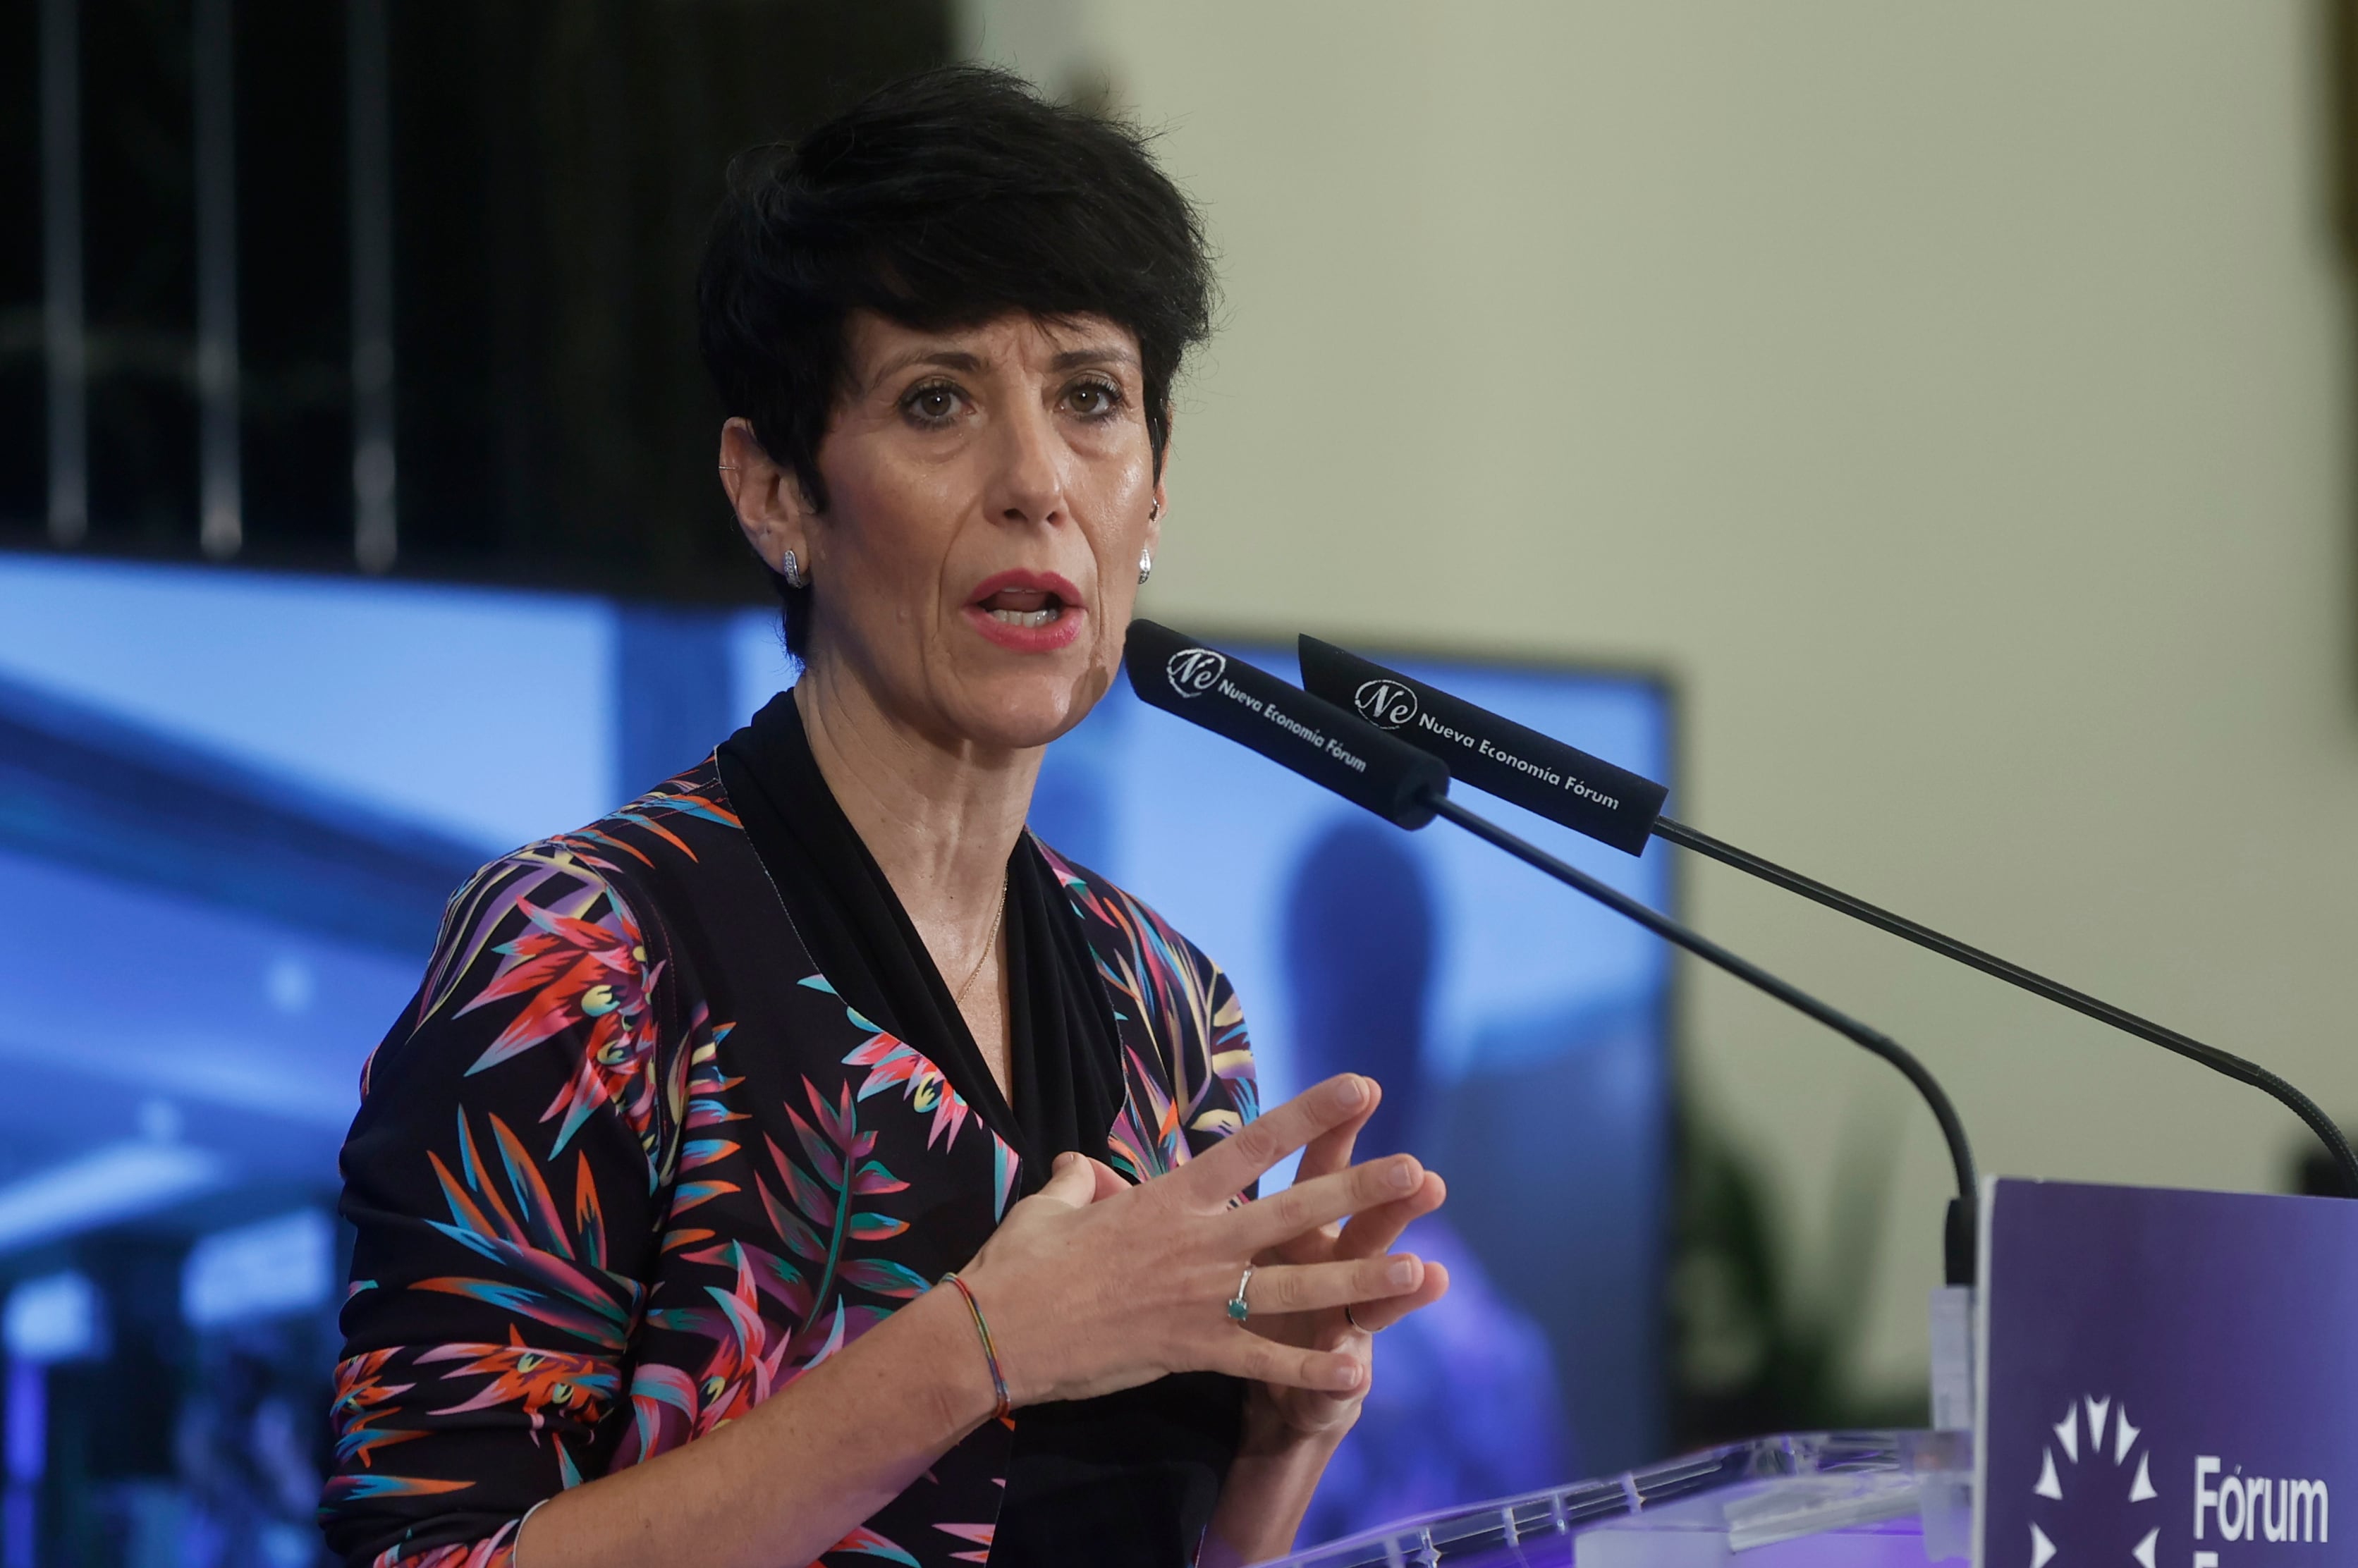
(1385, 703)
(1192, 671)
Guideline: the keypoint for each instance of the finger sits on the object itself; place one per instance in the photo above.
(1373, 1231)
(1313, 1287)
(1109, 1181)
(1243, 1355)
(1331, 1151)
(1071, 1182)
(1322, 1156)
(1306, 1205)
(1237, 1161)
(1377, 1316)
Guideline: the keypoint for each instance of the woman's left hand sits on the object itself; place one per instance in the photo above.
(1280, 1414)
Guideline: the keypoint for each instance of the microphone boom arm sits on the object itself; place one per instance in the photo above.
(1952, 1131)
(2233, 1067)
(1408, 787)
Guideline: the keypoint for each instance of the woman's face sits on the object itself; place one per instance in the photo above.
(989, 489)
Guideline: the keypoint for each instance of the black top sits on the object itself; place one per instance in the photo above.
(1065, 1060)
(1128, 1477)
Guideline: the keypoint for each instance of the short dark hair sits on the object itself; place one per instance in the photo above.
(940, 200)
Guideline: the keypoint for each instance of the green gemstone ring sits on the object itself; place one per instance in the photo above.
(1239, 1308)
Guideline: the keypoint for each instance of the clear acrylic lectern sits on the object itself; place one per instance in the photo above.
(1846, 1499)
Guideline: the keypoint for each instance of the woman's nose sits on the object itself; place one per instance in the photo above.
(1027, 480)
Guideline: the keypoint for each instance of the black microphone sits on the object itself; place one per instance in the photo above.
(1286, 724)
(1584, 794)
(1497, 755)
(1332, 746)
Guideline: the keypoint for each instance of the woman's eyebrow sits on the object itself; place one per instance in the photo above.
(1073, 358)
(940, 359)
(972, 364)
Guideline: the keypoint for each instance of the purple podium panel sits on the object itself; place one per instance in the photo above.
(2171, 1378)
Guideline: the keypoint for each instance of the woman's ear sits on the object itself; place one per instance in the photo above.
(1161, 506)
(772, 511)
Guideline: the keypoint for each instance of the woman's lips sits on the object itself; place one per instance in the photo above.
(1026, 612)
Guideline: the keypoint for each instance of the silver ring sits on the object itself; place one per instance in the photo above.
(1239, 1308)
(1353, 1321)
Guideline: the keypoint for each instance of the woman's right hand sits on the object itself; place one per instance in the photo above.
(1092, 1284)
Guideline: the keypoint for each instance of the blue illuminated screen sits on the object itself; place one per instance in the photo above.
(231, 805)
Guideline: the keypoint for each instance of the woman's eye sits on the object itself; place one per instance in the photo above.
(931, 405)
(1094, 399)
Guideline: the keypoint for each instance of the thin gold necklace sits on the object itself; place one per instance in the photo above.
(991, 941)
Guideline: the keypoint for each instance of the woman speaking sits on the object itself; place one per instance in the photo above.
(805, 1163)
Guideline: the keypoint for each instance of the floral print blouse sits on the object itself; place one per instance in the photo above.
(627, 1166)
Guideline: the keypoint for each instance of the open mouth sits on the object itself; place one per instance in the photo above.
(1028, 607)
(1027, 611)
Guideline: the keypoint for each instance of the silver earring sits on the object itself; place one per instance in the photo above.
(1145, 565)
(791, 571)
(1153, 510)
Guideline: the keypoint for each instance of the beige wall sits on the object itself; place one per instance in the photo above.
(1955, 399)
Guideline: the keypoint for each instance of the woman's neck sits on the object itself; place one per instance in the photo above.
(941, 821)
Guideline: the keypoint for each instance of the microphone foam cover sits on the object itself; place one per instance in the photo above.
(1325, 744)
(1564, 784)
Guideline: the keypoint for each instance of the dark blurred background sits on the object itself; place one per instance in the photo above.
(436, 253)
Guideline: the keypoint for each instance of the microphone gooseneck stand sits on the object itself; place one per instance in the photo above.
(1334, 747)
(1958, 1239)
(1616, 806)
(2245, 1072)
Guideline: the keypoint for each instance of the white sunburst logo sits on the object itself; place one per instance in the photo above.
(2109, 1439)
